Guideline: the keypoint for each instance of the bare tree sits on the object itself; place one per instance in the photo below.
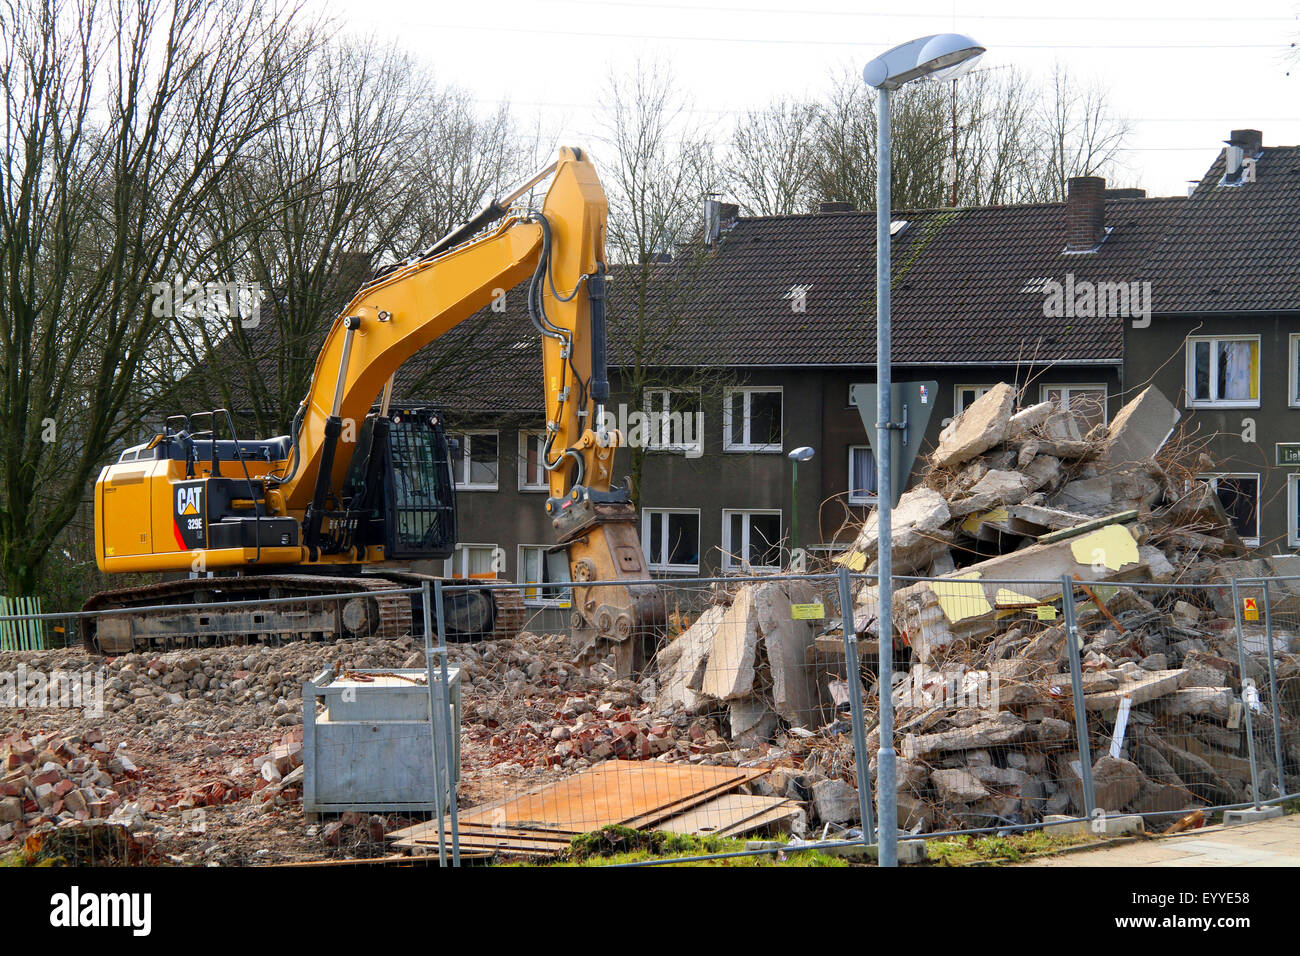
(657, 167)
(122, 119)
(1077, 135)
(768, 164)
(1012, 141)
(378, 161)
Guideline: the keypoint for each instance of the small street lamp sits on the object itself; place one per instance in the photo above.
(802, 453)
(939, 57)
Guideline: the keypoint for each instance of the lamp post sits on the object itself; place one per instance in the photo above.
(802, 453)
(939, 57)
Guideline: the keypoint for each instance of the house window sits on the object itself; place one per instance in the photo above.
(1239, 495)
(474, 561)
(751, 539)
(862, 475)
(1293, 510)
(671, 539)
(1086, 402)
(477, 468)
(532, 471)
(966, 395)
(544, 581)
(1293, 361)
(674, 422)
(1223, 372)
(751, 419)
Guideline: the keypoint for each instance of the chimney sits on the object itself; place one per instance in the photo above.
(1085, 213)
(827, 208)
(1126, 192)
(352, 268)
(1244, 146)
(718, 218)
(712, 221)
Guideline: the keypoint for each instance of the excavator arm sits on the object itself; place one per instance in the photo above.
(561, 254)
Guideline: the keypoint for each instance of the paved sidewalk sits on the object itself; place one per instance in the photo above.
(1270, 843)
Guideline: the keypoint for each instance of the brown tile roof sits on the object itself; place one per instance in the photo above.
(1234, 248)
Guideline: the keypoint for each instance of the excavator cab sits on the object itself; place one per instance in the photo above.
(400, 492)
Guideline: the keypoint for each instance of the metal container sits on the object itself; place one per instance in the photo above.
(370, 747)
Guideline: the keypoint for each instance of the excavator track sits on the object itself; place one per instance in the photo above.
(173, 621)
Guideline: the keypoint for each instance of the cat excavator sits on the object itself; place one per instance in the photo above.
(361, 488)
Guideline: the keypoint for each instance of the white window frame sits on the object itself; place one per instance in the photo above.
(1292, 509)
(538, 587)
(687, 448)
(730, 552)
(1066, 388)
(981, 391)
(1293, 366)
(854, 498)
(524, 483)
(461, 558)
(661, 514)
(462, 467)
(1251, 541)
(747, 392)
(1189, 372)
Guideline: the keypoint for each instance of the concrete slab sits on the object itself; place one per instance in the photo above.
(1235, 818)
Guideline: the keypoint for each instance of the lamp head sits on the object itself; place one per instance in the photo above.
(939, 57)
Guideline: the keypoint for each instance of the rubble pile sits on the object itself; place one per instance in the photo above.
(1011, 502)
(48, 778)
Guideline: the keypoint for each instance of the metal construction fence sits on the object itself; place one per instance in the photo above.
(746, 721)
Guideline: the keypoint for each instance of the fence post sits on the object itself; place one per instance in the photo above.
(427, 601)
(1076, 685)
(449, 727)
(1245, 704)
(861, 759)
(1274, 705)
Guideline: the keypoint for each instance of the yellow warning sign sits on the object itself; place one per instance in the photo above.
(1046, 612)
(807, 612)
(1250, 609)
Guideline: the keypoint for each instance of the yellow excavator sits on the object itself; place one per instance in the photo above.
(362, 488)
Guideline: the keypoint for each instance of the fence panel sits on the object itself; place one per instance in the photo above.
(1163, 696)
(1281, 691)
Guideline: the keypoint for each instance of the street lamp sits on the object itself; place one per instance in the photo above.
(802, 453)
(939, 57)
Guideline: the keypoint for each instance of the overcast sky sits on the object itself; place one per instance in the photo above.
(1184, 73)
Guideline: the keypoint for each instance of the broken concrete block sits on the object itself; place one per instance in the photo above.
(1158, 566)
(729, 672)
(983, 425)
(1061, 425)
(1089, 496)
(1028, 419)
(834, 801)
(786, 641)
(682, 661)
(957, 786)
(1202, 702)
(752, 721)
(916, 522)
(1115, 782)
(1142, 427)
(914, 814)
